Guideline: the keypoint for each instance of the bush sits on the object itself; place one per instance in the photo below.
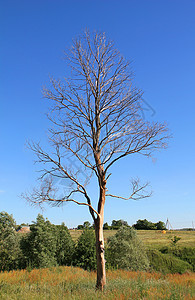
(184, 253)
(64, 246)
(167, 263)
(47, 245)
(85, 251)
(126, 251)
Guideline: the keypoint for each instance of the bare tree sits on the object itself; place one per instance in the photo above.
(97, 119)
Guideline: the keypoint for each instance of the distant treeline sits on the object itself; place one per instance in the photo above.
(140, 225)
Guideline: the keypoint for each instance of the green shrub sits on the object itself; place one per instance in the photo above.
(47, 245)
(184, 253)
(64, 246)
(85, 251)
(39, 246)
(167, 263)
(126, 251)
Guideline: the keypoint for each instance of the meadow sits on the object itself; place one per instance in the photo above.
(152, 238)
(75, 283)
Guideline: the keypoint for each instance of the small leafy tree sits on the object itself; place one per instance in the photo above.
(39, 246)
(9, 243)
(126, 251)
(85, 252)
(65, 245)
(7, 221)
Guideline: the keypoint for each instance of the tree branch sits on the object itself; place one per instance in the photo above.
(135, 195)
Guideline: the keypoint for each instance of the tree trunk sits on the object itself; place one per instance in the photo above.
(101, 271)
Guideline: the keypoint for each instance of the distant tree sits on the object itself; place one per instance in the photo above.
(124, 223)
(144, 225)
(160, 225)
(80, 227)
(117, 224)
(9, 243)
(97, 119)
(126, 251)
(86, 225)
(106, 226)
(85, 251)
(147, 225)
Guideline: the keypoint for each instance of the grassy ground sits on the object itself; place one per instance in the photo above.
(157, 239)
(153, 238)
(74, 283)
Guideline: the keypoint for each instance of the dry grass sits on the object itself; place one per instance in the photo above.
(75, 283)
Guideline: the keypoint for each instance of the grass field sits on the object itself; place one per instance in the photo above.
(153, 238)
(75, 283)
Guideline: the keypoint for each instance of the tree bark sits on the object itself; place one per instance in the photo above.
(101, 270)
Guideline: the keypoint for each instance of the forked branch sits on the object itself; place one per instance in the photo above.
(138, 192)
(47, 192)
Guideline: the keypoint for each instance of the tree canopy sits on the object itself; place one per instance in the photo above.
(148, 225)
(9, 243)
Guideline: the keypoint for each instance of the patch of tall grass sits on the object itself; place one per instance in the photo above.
(75, 283)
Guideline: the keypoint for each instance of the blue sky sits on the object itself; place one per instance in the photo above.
(159, 37)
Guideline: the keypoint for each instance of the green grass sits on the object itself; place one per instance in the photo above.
(74, 283)
(152, 238)
(156, 239)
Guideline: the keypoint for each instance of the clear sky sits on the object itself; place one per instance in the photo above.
(159, 36)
